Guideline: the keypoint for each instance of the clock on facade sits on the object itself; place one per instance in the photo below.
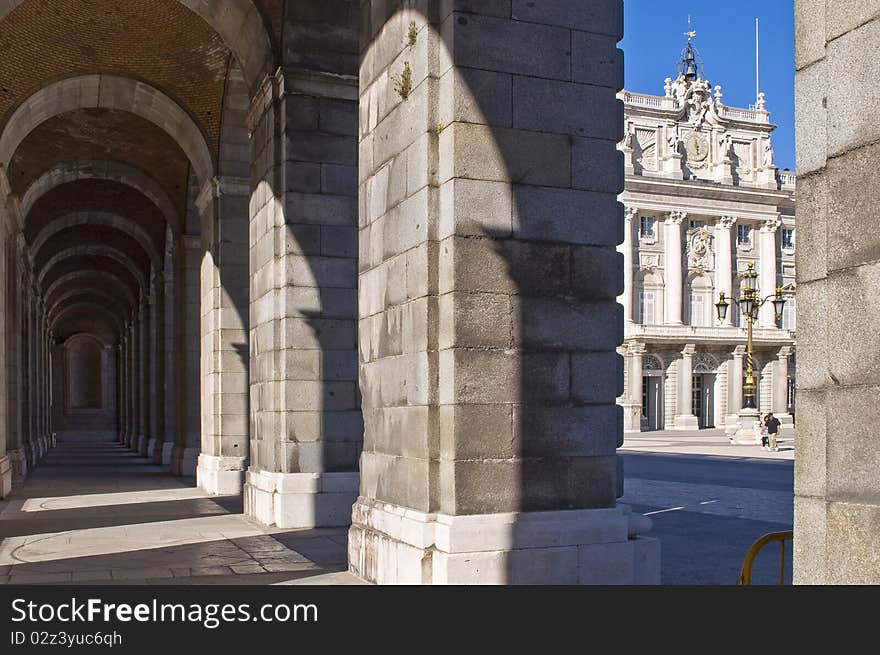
(697, 147)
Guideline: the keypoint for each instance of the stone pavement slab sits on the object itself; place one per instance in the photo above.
(96, 513)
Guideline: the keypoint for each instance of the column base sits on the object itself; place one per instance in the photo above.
(19, 465)
(144, 445)
(742, 432)
(389, 544)
(221, 476)
(301, 500)
(165, 453)
(183, 460)
(5, 476)
(686, 422)
(154, 450)
(632, 418)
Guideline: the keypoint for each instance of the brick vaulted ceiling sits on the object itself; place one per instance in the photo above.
(102, 134)
(158, 41)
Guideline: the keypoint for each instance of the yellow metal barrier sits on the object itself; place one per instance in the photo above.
(745, 575)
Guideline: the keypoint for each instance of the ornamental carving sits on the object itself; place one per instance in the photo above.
(699, 249)
(652, 362)
(676, 217)
(704, 363)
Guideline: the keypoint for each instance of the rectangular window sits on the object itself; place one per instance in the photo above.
(787, 238)
(744, 235)
(646, 307)
(788, 315)
(698, 311)
(646, 229)
(694, 224)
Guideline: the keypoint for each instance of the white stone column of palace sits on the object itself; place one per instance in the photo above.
(684, 417)
(185, 454)
(767, 273)
(673, 264)
(633, 417)
(306, 426)
(488, 314)
(223, 208)
(780, 385)
(735, 385)
(626, 248)
(724, 263)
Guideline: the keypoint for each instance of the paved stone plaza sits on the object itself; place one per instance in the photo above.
(96, 513)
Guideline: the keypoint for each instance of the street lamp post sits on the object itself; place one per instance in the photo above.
(750, 302)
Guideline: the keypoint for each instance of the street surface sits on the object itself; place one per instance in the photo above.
(709, 500)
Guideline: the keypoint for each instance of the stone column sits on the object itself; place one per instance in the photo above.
(672, 267)
(5, 434)
(185, 455)
(735, 386)
(780, 385)
(489, 319)
(633, 410)
(144, 366)
(307, 427)
(122, 368)
(626, 298)
(37, 375)
(685, 418)
(223, 207)
(724, 264)
(836, 486)
(33, 350)
(15, 348)
(157, 369)
(767, 271)
(135, 376)
(172, 352)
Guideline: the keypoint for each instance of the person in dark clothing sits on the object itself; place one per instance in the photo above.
(772, 424)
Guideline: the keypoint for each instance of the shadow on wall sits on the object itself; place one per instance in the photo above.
(528, 279)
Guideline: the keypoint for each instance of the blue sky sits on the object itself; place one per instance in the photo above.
(653, 40)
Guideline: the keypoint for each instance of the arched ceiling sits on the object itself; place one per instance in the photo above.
(96, 263)
(92, 235)
(102, 134)
(96, 196)
(160, 41)
(110, 112)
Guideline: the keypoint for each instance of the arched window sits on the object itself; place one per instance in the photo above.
(650, 299)
(83, 381)
(700, 300)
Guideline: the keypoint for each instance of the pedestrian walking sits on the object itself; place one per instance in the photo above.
(760, 433)
(772, 424)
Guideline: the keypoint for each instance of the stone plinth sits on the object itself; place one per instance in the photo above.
(222, 476)
(300, 500)
(390, 544)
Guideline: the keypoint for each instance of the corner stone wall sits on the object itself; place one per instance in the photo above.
(837, 489)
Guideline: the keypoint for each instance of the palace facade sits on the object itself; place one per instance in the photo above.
(703, 200)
